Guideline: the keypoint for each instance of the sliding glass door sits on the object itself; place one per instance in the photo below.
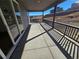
(5, 39)
(10, 18)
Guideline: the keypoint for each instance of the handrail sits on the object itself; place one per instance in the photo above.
(70, 47)
(71, 32)
(62, 23)
(67, 25)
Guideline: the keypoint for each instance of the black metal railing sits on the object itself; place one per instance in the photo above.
(70, 40)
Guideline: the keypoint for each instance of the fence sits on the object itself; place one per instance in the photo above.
(69, 43)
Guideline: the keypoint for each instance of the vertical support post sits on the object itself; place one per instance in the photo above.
(42, 16)
(54, 16)
(28, 17)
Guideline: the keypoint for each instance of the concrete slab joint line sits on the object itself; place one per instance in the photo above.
(58, 51)
(47, 45)
(42, 47)
(49, 49)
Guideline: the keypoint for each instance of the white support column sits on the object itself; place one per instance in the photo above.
(2, 54)
(28, 16)
(25, 19)
(24, 16)
(5, 23)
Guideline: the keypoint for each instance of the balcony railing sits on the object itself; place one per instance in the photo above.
(69, 43)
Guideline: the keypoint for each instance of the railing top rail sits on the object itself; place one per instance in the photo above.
(65, 24)
(68, 25)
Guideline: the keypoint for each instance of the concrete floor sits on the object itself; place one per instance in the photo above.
(40, 45)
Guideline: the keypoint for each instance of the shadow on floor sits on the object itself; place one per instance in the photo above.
(19, 49)
(37, 36)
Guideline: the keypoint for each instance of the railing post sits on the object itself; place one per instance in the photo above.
(54, 14)
(42, 15)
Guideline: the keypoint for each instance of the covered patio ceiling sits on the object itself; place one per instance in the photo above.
(39, 5)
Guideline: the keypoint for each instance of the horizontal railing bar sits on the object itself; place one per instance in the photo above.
(63, 24)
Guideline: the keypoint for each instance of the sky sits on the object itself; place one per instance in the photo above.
(65, 5)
